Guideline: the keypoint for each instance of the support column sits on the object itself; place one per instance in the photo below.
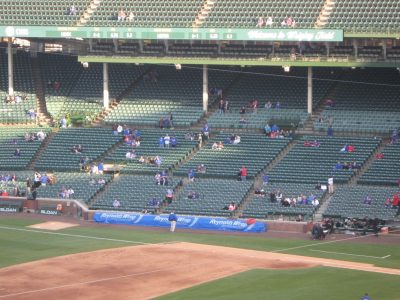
(205, 88)
(106, 94)
(309, 91)
(355, 45)
(10, 68)
(384, 48)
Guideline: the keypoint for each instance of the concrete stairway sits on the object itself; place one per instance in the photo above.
(43, 116)
(88, 12)
(325, 13)
(203, 13)
(41, 149)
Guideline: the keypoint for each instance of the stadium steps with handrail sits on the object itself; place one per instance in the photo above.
(87, 14)
(258, 177)
(324, 202)
(203, 13)
(42, 148)
(104, 189)
(367, 164)
(43, 114)
(325, 13)
(114, 104)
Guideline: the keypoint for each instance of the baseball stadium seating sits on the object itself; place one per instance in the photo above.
(58, 155)
(133, 192)
(384, 171)
(16, 113)
(367, 107)
(348, 201)
(255, 151)
(262, 207)
(315, 164)
(149, 147)
(214, 195)
(12, 138)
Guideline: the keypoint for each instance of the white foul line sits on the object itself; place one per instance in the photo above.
(342, 253)
(77, 235)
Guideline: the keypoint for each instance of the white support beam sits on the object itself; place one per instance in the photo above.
(10, 68)
(106, 93)
(205, 88)
(309, 91)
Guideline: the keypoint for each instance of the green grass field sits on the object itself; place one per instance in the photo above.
(20, 244)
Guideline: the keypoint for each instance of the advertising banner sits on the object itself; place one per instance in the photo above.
(187, 222)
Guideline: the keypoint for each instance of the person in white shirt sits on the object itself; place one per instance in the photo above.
(167, 140)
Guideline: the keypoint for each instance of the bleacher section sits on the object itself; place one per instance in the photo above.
(238, 14)
(261, 207)
(81, 89)
(16, 113)
(133, 193)
(85, 186)
(365, 16)
(163, 14)
(315, 164)
(166, 90)
(348, 202)
(214, 194)
(40, 12)
(12, 139)
(255, 151)
(384, 171)
(272, 84)
(369, 108)
(149, 147)
(59, 157)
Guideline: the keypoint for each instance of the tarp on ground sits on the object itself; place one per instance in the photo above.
(186, 222)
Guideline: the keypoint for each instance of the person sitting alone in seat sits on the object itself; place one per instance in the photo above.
(116, 203)
(169, 196)
(201, 169)
(193, 195)
(367, 200)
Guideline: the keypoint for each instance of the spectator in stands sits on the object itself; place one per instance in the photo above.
(63, 122)
(206, 131)
(130, 154)
(269, 22)
(314, 143)
(191, 174)
(43, 180)
(121, 16)
(243, 173)
(329, 132)
(315, 202)
(290, 22)
(100, 167)
(41, 135)
(243, 120)
(221, 106)
(380, 155)
(167, 141)
(116, 203)
(174, 142)
(17, 152)
(338, 166)
(268, 105)
(265, 179)
(154, 202)
(201, 169)
(161, 142)
(158, 161)
(395, 200)
(367, 200)
(394, 137)
(31, 113)
(193, 195)
(169, 196)
(72, 10)
(330, 185)
(227, 106)
(242, 110)
(164, 177)
(119, 129)
(131, 17)
(260, 192)
(56, 85)
(267, 129)
(272, 196)
(260, 22)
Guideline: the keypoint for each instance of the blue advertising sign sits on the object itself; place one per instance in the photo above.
(188, 222)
